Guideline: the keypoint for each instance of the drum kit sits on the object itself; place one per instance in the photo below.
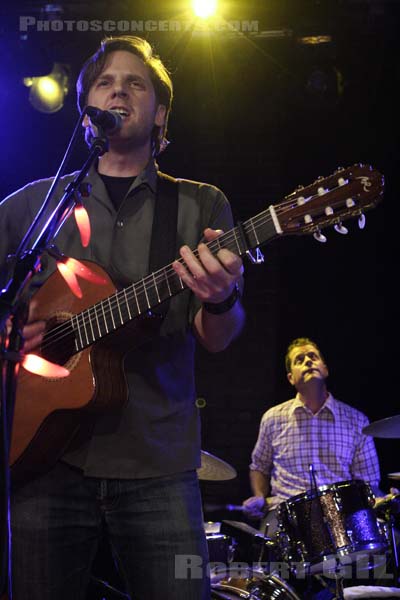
(325, 535)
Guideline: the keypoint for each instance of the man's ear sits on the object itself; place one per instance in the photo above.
(160, 115)
(290, 378)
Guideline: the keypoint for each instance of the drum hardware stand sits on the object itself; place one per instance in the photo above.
(309, 590)
(396, 572)
(262, 551)
(265, 536)
(339, 582)
(104, 586)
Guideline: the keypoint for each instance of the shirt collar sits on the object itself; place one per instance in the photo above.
(329, 404)
(147, 176)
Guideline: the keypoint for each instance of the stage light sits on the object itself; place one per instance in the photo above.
(47, 93)
(204, 8)
(314, 40)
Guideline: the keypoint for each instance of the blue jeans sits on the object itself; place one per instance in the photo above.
(154, 526)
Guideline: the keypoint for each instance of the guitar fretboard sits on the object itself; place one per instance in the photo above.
(142, 296)
(329, 200)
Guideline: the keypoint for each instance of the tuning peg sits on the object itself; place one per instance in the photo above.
(320, 237)
(341, 228)
(361, 221)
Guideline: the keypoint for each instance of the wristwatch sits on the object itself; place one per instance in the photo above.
(219, 308)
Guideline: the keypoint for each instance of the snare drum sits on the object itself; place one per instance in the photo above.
(250, 584)
(322, 526)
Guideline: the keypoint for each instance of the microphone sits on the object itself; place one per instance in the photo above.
(109, 120)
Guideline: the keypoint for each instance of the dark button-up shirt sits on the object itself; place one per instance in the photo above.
(157, 432)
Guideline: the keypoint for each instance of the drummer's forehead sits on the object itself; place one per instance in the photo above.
(306, 349)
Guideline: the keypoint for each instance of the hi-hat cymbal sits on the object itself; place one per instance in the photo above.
(214, 469)
(394, 475)
(385, 428)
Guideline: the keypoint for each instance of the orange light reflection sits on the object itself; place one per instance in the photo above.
(83, 271)
(70, 278)
(83, 223)
(40, 366)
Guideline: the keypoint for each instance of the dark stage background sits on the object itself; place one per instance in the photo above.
(255, 114)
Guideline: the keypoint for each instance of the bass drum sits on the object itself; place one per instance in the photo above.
(250, 584)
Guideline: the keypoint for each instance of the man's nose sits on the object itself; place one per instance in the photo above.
(119, 90)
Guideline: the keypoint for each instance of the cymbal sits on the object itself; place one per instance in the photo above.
(394, 475)
(214, 469)
(385, 428)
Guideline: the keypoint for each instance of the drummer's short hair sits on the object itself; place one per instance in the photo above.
(302, 341)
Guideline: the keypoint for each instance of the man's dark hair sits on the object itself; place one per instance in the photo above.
(158, 74)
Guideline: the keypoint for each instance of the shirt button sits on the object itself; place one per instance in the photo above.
(120, 224)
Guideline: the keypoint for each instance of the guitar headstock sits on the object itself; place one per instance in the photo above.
(330, 200)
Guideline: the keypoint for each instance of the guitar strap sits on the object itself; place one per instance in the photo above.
(164, 230)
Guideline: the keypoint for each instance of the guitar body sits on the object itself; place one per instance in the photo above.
(49, 411)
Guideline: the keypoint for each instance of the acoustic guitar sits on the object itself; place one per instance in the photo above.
(89, 336)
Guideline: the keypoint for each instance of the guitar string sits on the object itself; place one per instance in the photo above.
(160, 275)
(139, 288)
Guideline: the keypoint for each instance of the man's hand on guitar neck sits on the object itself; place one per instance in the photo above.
(211, 278)
(33, 331)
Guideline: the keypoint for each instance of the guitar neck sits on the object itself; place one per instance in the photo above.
(142, 296)
(328, 201)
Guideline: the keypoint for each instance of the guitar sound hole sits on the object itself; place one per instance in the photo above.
(58, 343)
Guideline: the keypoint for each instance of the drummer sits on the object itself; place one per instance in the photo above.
(310, 440)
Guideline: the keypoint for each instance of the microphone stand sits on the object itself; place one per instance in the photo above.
(14, 300)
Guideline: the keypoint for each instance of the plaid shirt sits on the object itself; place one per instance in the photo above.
(291, 438)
